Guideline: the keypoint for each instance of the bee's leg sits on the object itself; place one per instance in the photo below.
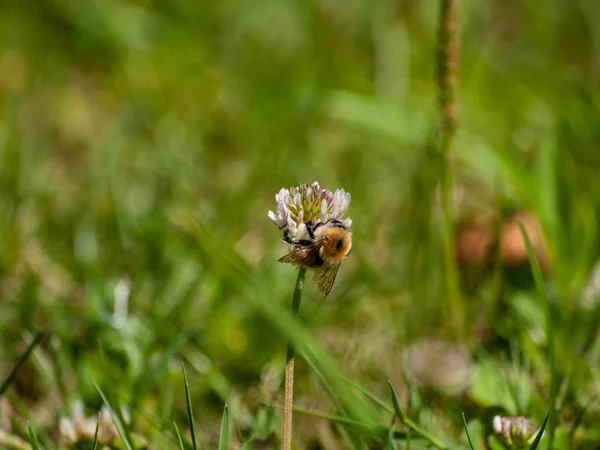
(310, 229)
(286, 236)
(289, 240)
(303, 242)
(336, 223)
(317, 225)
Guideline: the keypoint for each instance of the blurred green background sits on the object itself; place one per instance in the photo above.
(141, 146)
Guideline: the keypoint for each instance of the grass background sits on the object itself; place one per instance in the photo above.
(142, 144)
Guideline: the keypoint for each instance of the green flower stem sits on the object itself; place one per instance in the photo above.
(289, 367)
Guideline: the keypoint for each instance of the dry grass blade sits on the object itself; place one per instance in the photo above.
(95, 442)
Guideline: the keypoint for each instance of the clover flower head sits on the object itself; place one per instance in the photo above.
(514, 432)
(81, 427)
(309, 202)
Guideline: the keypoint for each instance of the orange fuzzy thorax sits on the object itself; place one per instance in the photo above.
(338, 243)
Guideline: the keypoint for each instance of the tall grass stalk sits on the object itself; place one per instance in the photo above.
(289, 367)
(448, 56)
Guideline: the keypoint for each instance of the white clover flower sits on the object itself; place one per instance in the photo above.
(514, 432)
(299, 205)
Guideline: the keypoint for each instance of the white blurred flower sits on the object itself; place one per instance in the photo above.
(439, 365)
(309, 202)
(121, 299)
(591, 291)
(66, 429)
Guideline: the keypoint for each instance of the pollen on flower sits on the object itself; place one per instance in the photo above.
(308, 202)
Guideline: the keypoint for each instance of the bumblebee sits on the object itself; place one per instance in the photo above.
(321, 249)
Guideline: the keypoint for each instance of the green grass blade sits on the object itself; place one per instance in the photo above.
(579, 418)
(538, 438)
(398, 410)
(189, 408)
(467, 430)
(391, 443)
(319, 360)
(33, 440)
(181, 446)
(95, 442)
(24, 357)
(156, 369)
(378, 431)
(380, 403)
(119, 425)
(539, 282)
(224, 437)
(350, 436)
(412, 425)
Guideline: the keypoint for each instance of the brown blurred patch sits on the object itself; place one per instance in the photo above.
(513, 251)
(14, 72)
(7, 412)
(476, 242)
(26, 382)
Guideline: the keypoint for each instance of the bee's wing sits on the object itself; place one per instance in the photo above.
(326, 277)
(302, 256)
(294, 256)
